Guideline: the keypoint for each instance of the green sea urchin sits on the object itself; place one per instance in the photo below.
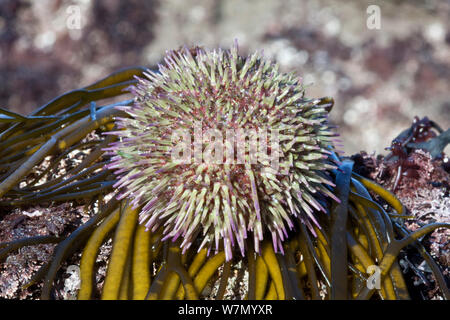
(280, 175)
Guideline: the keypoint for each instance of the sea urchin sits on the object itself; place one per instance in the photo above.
(170, 160)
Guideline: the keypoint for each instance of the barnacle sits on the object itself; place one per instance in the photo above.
(328, 260)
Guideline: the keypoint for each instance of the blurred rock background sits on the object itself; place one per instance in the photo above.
(380, 78)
